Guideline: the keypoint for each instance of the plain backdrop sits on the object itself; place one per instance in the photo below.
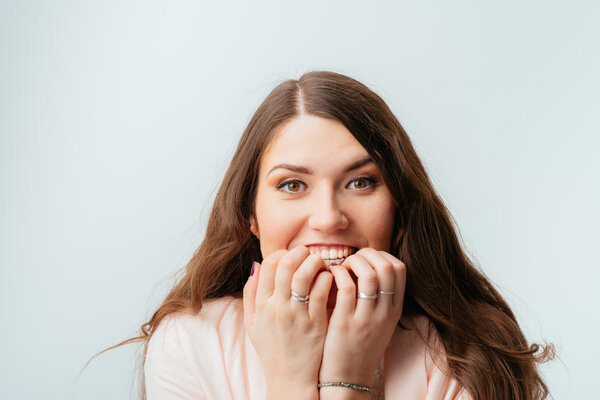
(118, 119)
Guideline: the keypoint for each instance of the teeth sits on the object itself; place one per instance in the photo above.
(331, 254)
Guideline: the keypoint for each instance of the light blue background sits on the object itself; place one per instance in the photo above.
(117, 120)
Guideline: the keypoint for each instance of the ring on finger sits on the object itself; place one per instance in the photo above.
(298, 298)
(362, 295)
(382, 292)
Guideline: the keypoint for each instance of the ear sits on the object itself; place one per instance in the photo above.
(254, 227)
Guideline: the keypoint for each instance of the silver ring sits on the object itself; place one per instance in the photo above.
(298, 298)
(366, 296)
(382, 292)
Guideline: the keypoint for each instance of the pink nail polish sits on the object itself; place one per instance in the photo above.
(253, 267)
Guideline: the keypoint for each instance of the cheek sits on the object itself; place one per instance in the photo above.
(379, 235)
(273, 219)
(277, 225)
(378, 224)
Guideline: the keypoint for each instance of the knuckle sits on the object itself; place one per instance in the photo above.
(362, 325)
(287, 263)
(274, 257)
(301, 278)
(370, 276)
(387, 268)
(303, 325)
(380, 319)
(395, 262)
(400, 266)
(347, 290)
(318, 296)
(285, 313)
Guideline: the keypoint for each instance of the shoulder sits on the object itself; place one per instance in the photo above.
(188, 352)
(416, 364)
(217, 317)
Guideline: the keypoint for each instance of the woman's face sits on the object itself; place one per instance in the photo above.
(318, 187)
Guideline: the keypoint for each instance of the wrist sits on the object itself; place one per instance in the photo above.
(292, 391)
(342, 393)
(361, 374)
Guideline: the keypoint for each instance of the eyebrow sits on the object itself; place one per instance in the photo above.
(308, 171)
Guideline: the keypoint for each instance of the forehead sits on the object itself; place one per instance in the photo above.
(313, 140)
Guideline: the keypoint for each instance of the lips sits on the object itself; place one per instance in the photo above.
(332, 254)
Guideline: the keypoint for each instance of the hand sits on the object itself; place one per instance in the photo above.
(360, 329)
(288, 336)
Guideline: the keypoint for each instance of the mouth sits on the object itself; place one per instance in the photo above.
(332, 254)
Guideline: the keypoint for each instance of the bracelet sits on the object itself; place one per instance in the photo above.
(344, 384)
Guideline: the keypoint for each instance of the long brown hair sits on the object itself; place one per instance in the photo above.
(485, 348)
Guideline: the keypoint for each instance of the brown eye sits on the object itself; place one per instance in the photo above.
(291, 186)
(362, 182)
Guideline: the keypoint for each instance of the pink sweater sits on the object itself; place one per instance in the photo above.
(209, 356)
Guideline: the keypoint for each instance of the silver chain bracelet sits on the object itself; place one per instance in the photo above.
(344, 384)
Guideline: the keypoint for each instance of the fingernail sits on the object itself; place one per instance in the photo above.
(253, 267)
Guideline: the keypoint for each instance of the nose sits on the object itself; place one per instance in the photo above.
(326, 214)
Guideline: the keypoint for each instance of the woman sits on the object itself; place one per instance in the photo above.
(331, 269)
